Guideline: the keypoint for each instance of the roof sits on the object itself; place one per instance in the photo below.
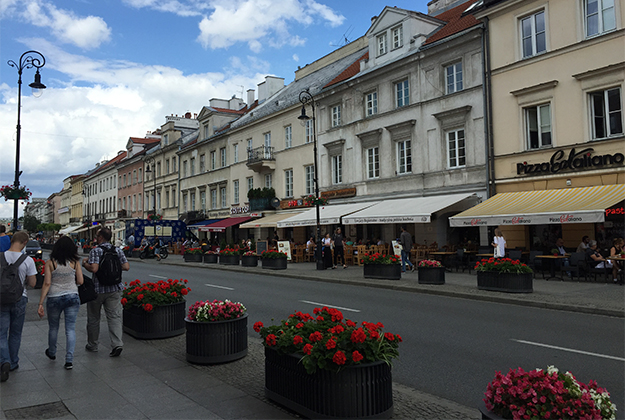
(140, 140)
(349, 72)
(456, 22)
(228, 111)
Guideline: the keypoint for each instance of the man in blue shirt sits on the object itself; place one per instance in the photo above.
(5, 240)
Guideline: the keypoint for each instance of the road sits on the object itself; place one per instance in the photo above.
(452, 347)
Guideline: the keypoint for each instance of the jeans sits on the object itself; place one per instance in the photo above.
(405, 259)
(68, 304)
(113, 309)
(11, 325)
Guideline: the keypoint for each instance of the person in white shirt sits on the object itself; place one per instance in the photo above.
(12, 316)
(499, 243)
(583, 246)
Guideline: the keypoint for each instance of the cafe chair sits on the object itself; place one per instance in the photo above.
(536, 264)
(515, 254)
(576, 265)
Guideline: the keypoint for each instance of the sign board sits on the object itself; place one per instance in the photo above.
(285, 246)
(160, 231)
(261, 246)
(396, 248)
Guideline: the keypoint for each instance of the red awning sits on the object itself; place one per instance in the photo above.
(226, 223)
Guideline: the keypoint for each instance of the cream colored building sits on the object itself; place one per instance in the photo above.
(66, 204)
(76, 199)
(556, 107)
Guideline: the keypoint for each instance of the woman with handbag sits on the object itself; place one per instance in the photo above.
(63, 275)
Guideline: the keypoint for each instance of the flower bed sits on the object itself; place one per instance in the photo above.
(149, 295)
(229, 256)
(193, 255)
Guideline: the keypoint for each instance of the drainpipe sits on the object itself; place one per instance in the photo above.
(488, 111)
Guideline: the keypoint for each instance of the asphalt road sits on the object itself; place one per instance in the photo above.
(452, 347)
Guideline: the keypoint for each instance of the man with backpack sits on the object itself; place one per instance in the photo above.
(16, 269)
(106, 262)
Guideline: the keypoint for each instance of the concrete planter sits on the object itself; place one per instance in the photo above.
(216, 342)
(274, 263)
(229, 259)
(382, 271)
(163, 322)
(431, 275)
(505, 282)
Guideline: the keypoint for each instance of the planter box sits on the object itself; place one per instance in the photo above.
(249, 260)
(274, 263)
(192, 257)
(211, 258)
(163, 322)
(487, 415)
(362, 391)
(229, 259)
(216, 342)
(431, 275)
(39, 283)
(135, 253)
(504, 282)
(382, 271)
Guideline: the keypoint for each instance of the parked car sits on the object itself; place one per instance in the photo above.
(34, 250)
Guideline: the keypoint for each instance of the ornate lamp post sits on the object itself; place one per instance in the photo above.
(150, 161)
(306, 98)
(27, 60)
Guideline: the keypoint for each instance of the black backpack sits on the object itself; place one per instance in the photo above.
(11, 287)
(110, 267)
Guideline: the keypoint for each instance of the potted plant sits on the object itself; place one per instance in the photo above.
(379, 266)
(10, 192)
(216, 332)
(431, 272)
(554, 252)
(40, 265)
(154, 310)
(229, 256)
(542, 394)
(193, 255)
(273, 260)
(249, 259)
(211, 257)
(504, 275)
(325, 366)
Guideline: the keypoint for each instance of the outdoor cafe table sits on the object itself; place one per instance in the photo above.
(552, 262)
(443, 255)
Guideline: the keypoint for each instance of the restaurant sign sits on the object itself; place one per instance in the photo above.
(348, 220)
(530, 219)
(575, 161)
(240, 210)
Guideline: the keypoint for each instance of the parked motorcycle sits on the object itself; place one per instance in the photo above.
(148, 252)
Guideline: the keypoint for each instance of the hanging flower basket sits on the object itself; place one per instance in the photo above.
(155, 217)
(9, 192)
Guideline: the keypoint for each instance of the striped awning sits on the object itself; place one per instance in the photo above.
(563, 206)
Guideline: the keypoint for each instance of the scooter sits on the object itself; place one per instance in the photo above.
(148, 252)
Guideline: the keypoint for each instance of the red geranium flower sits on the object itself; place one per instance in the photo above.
(307, 348)
(257, 326)
(358, 336)
(389, 336)
(147, 307)
(271, 340)
(356, 356)
(316, 336)
(339, 358)
(331, 343)
(297, 340)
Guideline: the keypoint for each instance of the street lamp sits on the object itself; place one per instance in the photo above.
(307, 99)
(150, 161)
(26, 61)
(85, 193)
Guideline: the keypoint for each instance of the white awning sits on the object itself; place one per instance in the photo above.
(404, 210)
(68, 230)
(270, 221)
(328, 215)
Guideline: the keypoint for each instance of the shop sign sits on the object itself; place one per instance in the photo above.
(218, 214)
(573, 162)
(342, 193)
(614, 211)
(240, 210)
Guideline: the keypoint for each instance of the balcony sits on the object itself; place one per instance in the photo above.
(260, 159)
(192, 217)
(122, 214)
(74, 219)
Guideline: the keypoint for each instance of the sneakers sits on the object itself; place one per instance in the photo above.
(116, 352)
(91, 349)
(412, 268)
(4, 371)
(69, 366)
(50, 356)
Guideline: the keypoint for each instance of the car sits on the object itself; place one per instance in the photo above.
(33, 249)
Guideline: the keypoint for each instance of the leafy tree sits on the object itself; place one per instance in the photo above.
(31, 223)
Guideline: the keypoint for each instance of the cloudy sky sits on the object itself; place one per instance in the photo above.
(115, 68)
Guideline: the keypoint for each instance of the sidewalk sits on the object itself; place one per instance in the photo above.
(151, 378)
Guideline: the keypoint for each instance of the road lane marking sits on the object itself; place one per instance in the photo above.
(605, 356)
(329, 306)
(219, 287)
(159, 277)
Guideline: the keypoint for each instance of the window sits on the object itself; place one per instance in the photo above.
(288, 137)
(288, 183)
(134, 202)
(250, 183)
(124, 207)
(402, 94)
(607, 113)
(213, 199)
(538, 126)
(173, 165)
(373, 162)
(599, 16)
(381, 41)
(202, 163)
(268, 181)
(192, 201)
(173, 197)
(308, 129)
(134, 177)
(222, 154)
(158, 168)
(455, 148)
(372, 103)
(139, 204)
(166, 139)
(192, 166)
(213, 160)
(249, 144)
(336, 116)
(533, 39)
(206, 131)
(310, 179)
(235, 153)
(397, 35)
(235, 191)
(166, 199)
(184, 168)
(453, 77)
(120, 183)
(140, 175)
(158, 200)
(167, 167)
(404, 157)
(224, 198)
(337, 169)
(184, 203)
(267, 141)
(203, 200)
(124, 180)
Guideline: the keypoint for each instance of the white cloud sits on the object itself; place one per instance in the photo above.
(180, 8)
(85, 32)
(296, 58)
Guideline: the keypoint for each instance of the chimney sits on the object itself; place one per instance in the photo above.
(250, 97)
(187, 115)
(271, 85)
(373, 19)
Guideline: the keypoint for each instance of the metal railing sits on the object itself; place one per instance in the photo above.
(259, 154)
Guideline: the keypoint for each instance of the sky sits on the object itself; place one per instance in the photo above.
(115, 69)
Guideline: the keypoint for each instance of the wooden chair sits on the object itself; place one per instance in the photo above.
(349, 255)
(361, 252)
(309, 255)
(298, 255)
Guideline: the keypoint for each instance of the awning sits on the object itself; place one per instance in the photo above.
(86, 228)
(223, 224)
(69, 229)
(270, 221)
(203, 224)
(328, 215)
(404, 210)
(570, 205)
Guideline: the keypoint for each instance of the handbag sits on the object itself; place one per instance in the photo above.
(86, 290)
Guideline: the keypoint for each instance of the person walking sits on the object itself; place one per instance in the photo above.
(109, 296)
(339, 249)
(131, 243)
(62, 277)
(405, 240)
(327, 251)
(12, 316)
(499, 243)
(5, 240)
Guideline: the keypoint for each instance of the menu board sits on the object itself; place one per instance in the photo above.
(285, 246)
(396, 248)
(260, 247)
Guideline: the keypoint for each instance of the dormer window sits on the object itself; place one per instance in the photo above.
(397, 35)
(382, 45)
(206, 131)
(166, 139)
